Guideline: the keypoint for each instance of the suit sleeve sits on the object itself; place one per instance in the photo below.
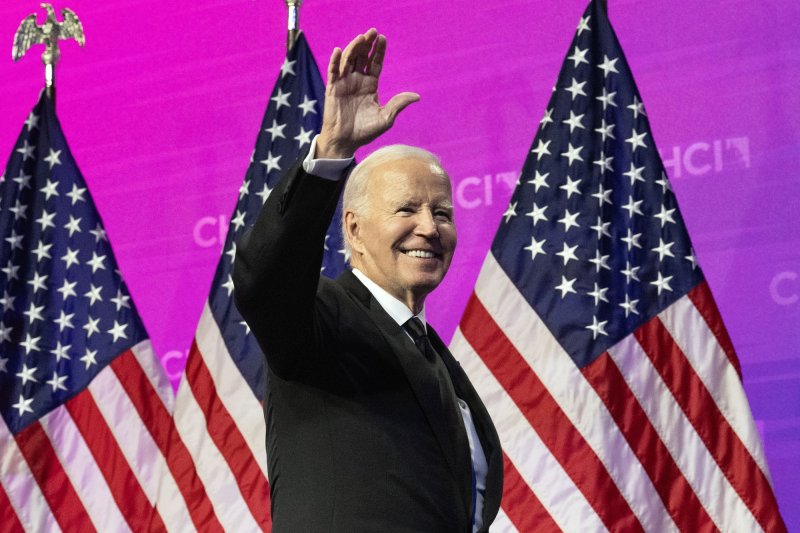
(277, 269)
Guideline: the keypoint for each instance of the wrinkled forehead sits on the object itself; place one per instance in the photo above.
(414, 177)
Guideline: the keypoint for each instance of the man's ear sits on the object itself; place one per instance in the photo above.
(352, 230)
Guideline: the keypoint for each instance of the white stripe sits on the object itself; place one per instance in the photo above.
(220, 483)
(502, 524)
(541, 471)
(232, 389)
(699, 468)
(23, 492)
(80, 467)
(140, 450)
(711, 364)
(155, 373)
(576, 397)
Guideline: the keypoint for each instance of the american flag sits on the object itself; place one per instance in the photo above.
(593, 336)
(218, 413)
(85, 404)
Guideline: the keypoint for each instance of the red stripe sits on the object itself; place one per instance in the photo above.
(162, 428)
(521, 505)
(723, 444)
(8, 518)
(679, 499)
(704, 302)
(56, 487)
(547, 418)
(125, 488)
(229, 440)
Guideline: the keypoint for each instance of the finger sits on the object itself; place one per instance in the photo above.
(349, 56)
(333, 65)
(397, 103)
(362, 51)
(375, 63)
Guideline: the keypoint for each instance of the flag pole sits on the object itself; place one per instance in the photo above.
(293, 25)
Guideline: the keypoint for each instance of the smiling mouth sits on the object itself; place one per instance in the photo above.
(421, 254)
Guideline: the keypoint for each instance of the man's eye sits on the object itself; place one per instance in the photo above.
(405, 209)
(443, 215)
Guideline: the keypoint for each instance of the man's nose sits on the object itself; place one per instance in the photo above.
(426, 224)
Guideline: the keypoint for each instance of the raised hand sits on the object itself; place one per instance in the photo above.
(353, 114)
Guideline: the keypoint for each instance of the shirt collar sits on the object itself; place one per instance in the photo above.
(399, 311)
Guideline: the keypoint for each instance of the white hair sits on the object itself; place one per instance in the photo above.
(355, 190)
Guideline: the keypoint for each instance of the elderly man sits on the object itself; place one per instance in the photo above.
(372, 426)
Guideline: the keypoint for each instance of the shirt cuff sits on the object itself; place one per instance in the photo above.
(329, 169)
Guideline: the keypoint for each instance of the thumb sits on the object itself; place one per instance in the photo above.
(397, 103)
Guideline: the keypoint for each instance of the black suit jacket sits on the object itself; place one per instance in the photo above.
(352, 446)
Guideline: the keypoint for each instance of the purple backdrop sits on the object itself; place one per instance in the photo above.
(162, 107)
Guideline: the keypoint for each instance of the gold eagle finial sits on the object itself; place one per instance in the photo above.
(49, 33)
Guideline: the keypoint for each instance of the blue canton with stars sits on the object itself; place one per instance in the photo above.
(293, 117)
(593, 237)
(65, 312)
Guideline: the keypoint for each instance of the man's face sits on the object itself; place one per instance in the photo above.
(405, 239)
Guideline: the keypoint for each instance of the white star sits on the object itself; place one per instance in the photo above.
(510, 212)
(264, 193)
(7, 301)
(536, 248)
(692, 259)
(19, 210)
(99, 233)
(573, 153)
(637, 107)
(42, 251)
(90, 358)
(664, 182)
(576, 88)
(547, 118)
(281, 99)
(61, 351)
(229, 285)
(271, 162)
(117, 331)
(662, 283)
(73, 225)
(238, 220)
(64, 321)
(603, 195)
(601, 228)
(46, 220)
(34, 313)
(287, 67)
(96, 262)
(584, 24)
(542, 149)
(70, 258)
(608, 66)
(600, 261)
(11, 270)
(38, 282)
(598, 294)
(539, 180)
(605, 163)
(27, 150)
(26, 374)
(245, 326)
(574, 121)
(94, 294)
(597, 328)
(304, 137)
(632, 240)
(633, 207)
(537, 213)
(607, 98)
(32, 121)
(23, 405)
(634, 174)
(629, 306)
(91, 327)
(636, 140)
(605, 130)
(630, 272)
(31, 344)
(569, 220)
(276, 131)
(57, 383)
(566, 286)
(665, 215)
(571, 187)
(232, 250)
(15, 240)
(121, 300)
(663, 249)
(50, 189)
(567, 253)
(578, 56)
(53, 158)
(76, 194)
(307, 106)
(23, 180)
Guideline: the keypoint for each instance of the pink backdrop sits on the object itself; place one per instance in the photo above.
(161, 110)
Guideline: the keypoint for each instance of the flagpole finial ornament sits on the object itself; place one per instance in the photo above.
(49, 33)
(294, 22)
